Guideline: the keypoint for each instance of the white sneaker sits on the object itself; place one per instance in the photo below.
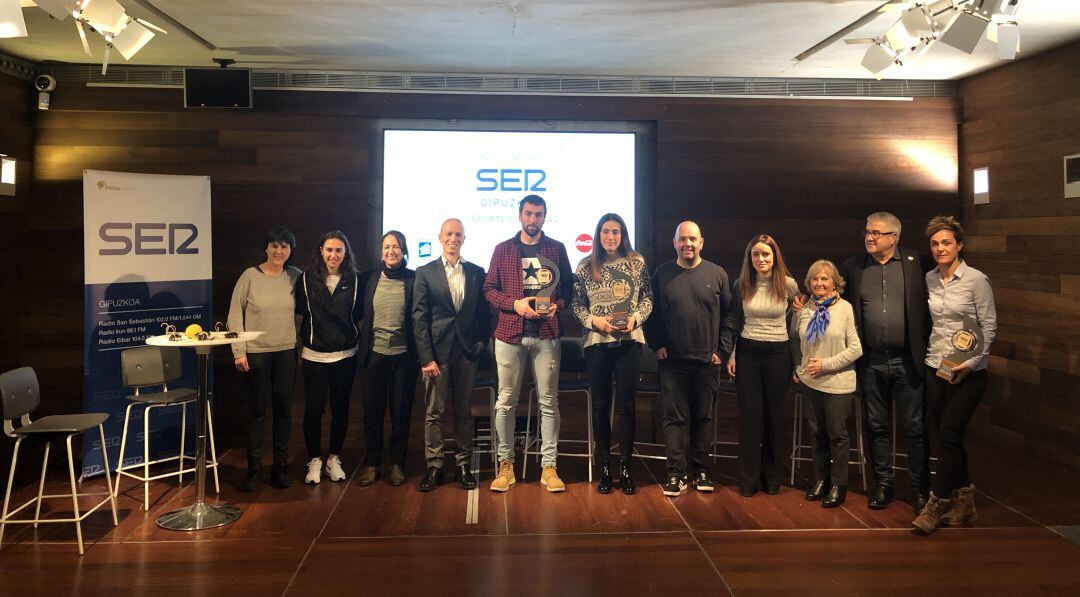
(314, 471)
(333, 468)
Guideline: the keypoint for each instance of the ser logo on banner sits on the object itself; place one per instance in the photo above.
(146, 241)
(511, 179)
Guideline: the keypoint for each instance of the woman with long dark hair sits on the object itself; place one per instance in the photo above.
(960, 299)
(612, 298)
(263, 300)
(387, 356)
(756, 336)
(327, 300)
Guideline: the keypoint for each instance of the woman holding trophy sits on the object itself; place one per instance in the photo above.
(965, 320)
(612, 298)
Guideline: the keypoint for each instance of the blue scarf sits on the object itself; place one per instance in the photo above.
(815, 330)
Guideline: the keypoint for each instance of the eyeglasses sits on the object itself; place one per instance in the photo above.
(875, 234)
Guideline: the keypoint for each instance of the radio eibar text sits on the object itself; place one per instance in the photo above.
(148, 238)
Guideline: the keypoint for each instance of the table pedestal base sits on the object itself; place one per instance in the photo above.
(198, 516)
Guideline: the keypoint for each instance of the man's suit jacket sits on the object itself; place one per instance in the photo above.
(369, 281)
(436, 324)
(916, 311)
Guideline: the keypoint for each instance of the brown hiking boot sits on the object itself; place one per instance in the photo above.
(505, 478)
(963, 507)
(930, 518)
(550, 478)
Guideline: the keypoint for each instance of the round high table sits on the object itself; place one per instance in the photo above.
(200, 515)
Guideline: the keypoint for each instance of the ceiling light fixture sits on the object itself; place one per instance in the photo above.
(107, 18)
(957, 23)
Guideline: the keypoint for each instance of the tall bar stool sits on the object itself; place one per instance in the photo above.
(488, 382)
(897, 455)
(858, 453)
(572, 362)
(148, 367)
(20, 395)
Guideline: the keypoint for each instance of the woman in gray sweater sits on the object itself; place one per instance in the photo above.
(826, 345)
(263, 301)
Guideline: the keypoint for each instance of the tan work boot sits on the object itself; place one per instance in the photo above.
(550, 478)
(505, 478)
(963, 507)
(930, 519)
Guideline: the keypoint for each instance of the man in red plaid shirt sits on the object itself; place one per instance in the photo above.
(525, 334)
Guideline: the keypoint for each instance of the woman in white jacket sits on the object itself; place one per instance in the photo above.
(827, 346)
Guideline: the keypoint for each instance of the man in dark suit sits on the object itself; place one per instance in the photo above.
(451, 324)
(887, 289)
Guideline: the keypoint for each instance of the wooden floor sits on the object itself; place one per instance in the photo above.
(340, 538)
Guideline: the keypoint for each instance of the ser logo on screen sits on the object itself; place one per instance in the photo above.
(148, 238)
(510, 179)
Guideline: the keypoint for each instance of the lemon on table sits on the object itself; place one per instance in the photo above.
(192, 330)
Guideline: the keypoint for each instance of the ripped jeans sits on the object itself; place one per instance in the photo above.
(511, 360)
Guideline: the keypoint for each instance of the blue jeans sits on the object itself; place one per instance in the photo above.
(511, 360)
(885, 380)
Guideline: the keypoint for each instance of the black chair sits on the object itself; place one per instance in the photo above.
(571, 367)
(20, 395)
(151, 367)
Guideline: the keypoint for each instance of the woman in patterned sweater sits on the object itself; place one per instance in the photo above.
(612, 298)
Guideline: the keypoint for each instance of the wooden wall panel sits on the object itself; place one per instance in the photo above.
(805, 171)
(1019, 120)
(16, 140)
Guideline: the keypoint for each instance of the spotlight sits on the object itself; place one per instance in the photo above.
(966, 31)
(1007, 36)
(131, 39)
(12, 23)
(878, 58)
(57, 9)
(103, 15)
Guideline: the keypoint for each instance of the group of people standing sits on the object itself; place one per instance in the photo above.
(880, 325)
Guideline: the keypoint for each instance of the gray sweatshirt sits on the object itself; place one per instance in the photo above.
(262, 303)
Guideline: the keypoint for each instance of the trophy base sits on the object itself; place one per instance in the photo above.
(945, 370)
(542, 305)
(620, 320)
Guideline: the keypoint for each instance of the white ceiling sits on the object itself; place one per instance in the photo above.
(737, 38)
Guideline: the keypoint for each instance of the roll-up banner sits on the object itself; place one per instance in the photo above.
(148, 259)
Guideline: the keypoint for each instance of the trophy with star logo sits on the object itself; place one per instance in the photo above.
(548, 278)
(621, 288)
(966, 342)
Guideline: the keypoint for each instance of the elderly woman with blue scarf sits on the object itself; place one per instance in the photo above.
(826, 345)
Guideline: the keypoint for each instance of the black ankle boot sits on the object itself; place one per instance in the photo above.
(836, 496)
(626, 481)
(279, 476)
(818, 491)
(604, 486)
(251, 482)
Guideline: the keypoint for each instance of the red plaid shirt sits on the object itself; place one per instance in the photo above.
(503, 286)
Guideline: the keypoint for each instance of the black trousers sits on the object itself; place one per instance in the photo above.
(688, 389)
(762, 378)
(828, 415)
(453, 386)
(389, 384)
(953, 405)
(270, 381)
(320, 379)
(885, 380)
(624, 363)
